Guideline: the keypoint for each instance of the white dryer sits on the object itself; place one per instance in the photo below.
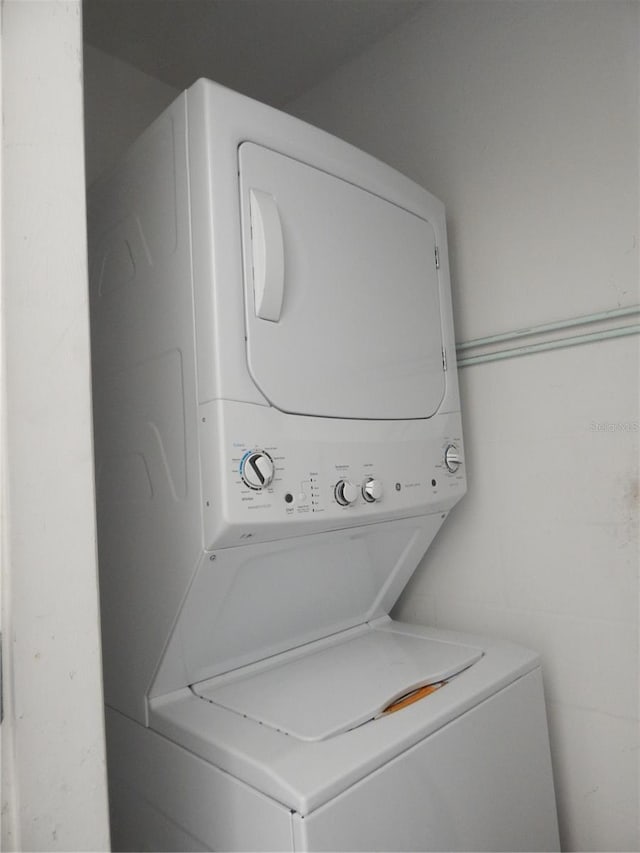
(278, 440)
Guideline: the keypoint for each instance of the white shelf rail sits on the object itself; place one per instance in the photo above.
(601, 326)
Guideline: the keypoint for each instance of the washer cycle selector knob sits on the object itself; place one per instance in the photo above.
(346, 492)
(452, 458)
(372, 490)
(257, 469)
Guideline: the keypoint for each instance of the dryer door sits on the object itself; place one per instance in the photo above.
(341, 295)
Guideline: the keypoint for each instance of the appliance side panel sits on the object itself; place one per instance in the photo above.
(482, 782)
(147, 463)
(165, 798)
(217, 250)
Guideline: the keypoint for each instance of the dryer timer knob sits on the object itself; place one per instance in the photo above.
(257, 469)
(452, 458)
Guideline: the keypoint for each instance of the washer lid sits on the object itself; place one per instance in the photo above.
(341, 295)
(333, 689)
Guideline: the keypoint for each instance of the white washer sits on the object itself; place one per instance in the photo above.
(278, 440)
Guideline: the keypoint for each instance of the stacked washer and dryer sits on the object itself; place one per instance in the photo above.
(278, 441)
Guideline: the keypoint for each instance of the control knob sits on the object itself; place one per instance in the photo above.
(346, 492)
(257, 469)
(372, 490)
(452, 458)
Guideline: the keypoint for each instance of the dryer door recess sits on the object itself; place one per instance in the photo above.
(341, 295)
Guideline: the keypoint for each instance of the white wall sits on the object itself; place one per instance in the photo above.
(523, 118)
(119, 103)
(53, 770)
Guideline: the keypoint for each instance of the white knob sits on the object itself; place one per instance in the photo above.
(346, 492)
(257, 469)
(372, 490)
(452, 458)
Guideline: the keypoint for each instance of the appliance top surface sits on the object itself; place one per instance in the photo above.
(305, 773)
(335, 688)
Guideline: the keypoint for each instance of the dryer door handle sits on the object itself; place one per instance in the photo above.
(268, 256)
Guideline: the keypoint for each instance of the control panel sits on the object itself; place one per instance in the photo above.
(324, 480)
(273, 472)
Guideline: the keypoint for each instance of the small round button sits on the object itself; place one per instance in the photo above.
(372, 490)
(257, 469)
(346, 492)
(452, 458)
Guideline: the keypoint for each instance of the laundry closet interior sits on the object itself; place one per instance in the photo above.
(522, 119)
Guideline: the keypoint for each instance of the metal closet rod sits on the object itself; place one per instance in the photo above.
(545, 346)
